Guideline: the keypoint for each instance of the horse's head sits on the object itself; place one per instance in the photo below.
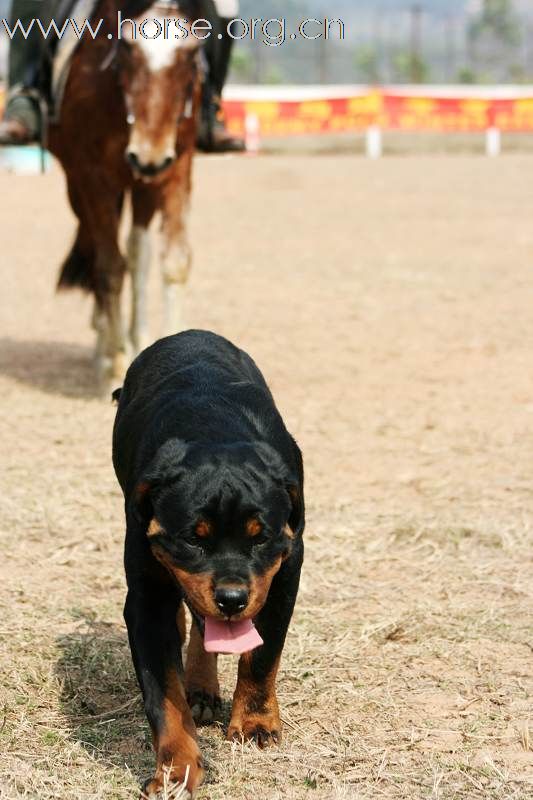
(159, 74)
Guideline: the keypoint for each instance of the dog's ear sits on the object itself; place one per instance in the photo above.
(142, 501)
(295, 489)
(115, 397)
(291, 478)
(164, 470)
(297, 516)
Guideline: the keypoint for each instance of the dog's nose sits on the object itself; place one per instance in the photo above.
(231, 600)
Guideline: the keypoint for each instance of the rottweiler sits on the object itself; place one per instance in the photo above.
(213, 488)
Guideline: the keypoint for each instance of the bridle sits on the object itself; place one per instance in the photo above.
(112, 61)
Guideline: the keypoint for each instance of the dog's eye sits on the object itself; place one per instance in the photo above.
(203, 529)
(261, 539)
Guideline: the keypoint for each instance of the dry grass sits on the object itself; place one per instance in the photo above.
(407, 672)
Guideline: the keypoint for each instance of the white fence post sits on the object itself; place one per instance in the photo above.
(493, 142)
(374, 142)
(252, 128)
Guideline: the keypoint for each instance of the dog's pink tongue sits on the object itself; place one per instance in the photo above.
(230, 637)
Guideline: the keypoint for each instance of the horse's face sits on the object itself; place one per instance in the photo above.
(159, 78)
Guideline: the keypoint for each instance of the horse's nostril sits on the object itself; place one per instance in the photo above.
(132, 159)
(148, 169)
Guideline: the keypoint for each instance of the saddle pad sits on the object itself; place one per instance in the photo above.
(82, 10)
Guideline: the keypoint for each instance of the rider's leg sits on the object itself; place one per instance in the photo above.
(213, 134)
(227, 10)
(21, 116)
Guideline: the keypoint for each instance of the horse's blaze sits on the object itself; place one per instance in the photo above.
(159, 81)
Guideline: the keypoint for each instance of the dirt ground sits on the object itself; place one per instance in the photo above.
(390, 305)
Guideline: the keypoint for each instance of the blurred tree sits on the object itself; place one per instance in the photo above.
(467, 75)
(367, 64)
(498, 21)
(273, 75)
(494, 35)
(410, 68)
(242, 65)
(518, 74)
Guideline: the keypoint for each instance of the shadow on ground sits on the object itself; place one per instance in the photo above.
(56, 368)
(100, 698)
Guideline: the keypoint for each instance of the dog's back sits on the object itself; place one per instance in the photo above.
(188, 359)
(193, 386)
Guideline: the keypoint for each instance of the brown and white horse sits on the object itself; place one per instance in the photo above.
(128, 125)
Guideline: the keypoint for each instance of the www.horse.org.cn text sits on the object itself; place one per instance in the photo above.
(272, 32)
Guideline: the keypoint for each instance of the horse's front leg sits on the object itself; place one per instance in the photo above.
(176, 252)
(144, 204)
(139, 257)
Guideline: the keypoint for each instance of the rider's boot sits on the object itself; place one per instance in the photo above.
(21, 122)
(213, 135)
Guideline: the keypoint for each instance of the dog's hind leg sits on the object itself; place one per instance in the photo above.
(201, 680)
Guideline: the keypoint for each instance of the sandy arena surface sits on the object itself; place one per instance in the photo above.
(390, 306)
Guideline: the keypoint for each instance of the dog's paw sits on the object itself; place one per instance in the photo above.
(263, 729)
(174, 791)
(204, 707)
(171, 783)
(156, 789)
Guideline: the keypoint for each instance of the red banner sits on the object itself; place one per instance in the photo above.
(390, 111)
(285, 118)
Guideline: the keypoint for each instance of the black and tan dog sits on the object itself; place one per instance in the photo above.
(213, 487)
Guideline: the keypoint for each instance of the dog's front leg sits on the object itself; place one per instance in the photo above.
(255, 711)
(155, 643)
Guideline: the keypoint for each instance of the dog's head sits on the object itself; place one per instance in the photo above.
(221, 519)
